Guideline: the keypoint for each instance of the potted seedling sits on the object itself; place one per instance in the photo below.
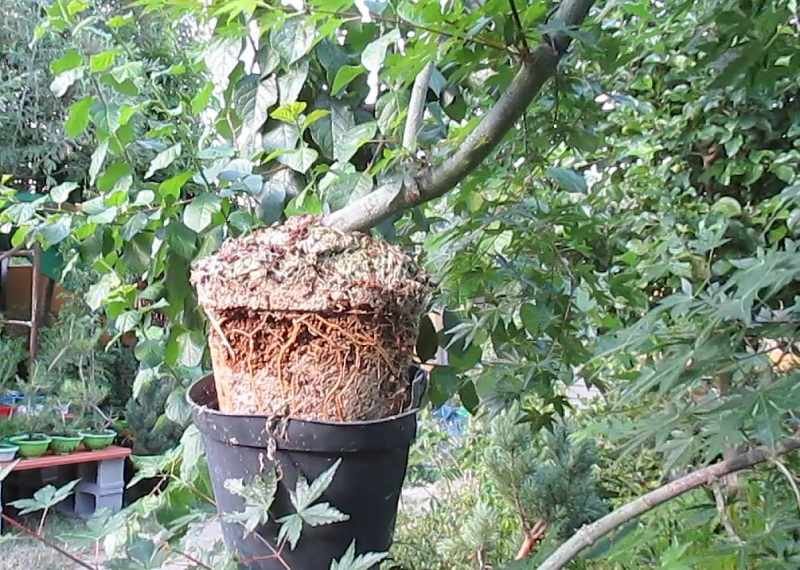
(8, 428)
(85, 390)
(65, 433)
(32, 416)
(8, 451)
(32, 442)
(12, 352)
(311, 332)
(97, 433)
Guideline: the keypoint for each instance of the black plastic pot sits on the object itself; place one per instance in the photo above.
(367, 484)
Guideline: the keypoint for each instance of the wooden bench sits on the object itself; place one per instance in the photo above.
(101, 473)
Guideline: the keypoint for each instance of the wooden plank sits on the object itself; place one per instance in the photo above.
(36, 279)
(113, 452)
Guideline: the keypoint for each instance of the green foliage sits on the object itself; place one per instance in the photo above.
(492, 489)
(351, 561)
(44, 500)
(636, 233)
(31, 115)
(152, 431)
(12, 353)
(308, 511)
(258, 495)
(551, 479)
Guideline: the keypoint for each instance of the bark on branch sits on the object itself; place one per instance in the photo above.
(536, 68)
(589, 534)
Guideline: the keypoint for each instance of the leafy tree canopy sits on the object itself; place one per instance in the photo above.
(634, 230)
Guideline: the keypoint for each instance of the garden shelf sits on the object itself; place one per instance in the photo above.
(101, 473)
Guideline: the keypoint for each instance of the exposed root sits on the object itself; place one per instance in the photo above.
(333, 367)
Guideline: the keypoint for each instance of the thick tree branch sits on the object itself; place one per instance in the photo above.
(536, 68)
(589, 534)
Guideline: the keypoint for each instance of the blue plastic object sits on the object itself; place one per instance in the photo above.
(454, 419)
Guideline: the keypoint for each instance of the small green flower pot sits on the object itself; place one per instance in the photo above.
(65, 444)
(31, 446)
(98, 440)
(8, 452)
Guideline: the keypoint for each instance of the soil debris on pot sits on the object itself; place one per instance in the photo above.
(312, 323)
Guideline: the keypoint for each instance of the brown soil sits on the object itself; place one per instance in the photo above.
(311, 323)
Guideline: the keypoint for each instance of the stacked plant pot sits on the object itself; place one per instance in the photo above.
(311, 333)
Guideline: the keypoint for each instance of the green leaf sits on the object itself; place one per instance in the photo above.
(201, 99)
(568, 180)
(534, 318)
(98, 292)
(55, 232)
(728, 207)
(293, 39)
(102, 61)
(78, 117)
(273, 197)
(181, 240)
(299, 160)
(290, 112)
(163, 159)
(171, 187)
(322, 514)
(45, 498)
(191, 346)
(461, 358)
(60, 193)
(98, 159)
(77, 6)
(427, 339)
(342, 184)
(315, 116)
(469, 397)
(349, 561)
(304, 494)
(290, 83)
(258, 495)
(112, 175)
(70, 60)
(305, 203)
(216, 152)
(199, 213)
(133, 226)
(116, 22)
(444, 383)
(283, 137)
(291, 527)
(127, 321)
(150, 353)
(107, 216)
(345, 75)
(192, 449)
(253, 97)
(373, 55)
(347, 143)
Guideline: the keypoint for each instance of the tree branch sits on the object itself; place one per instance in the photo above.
(589, 534)
(416, 108)
(432, 182)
